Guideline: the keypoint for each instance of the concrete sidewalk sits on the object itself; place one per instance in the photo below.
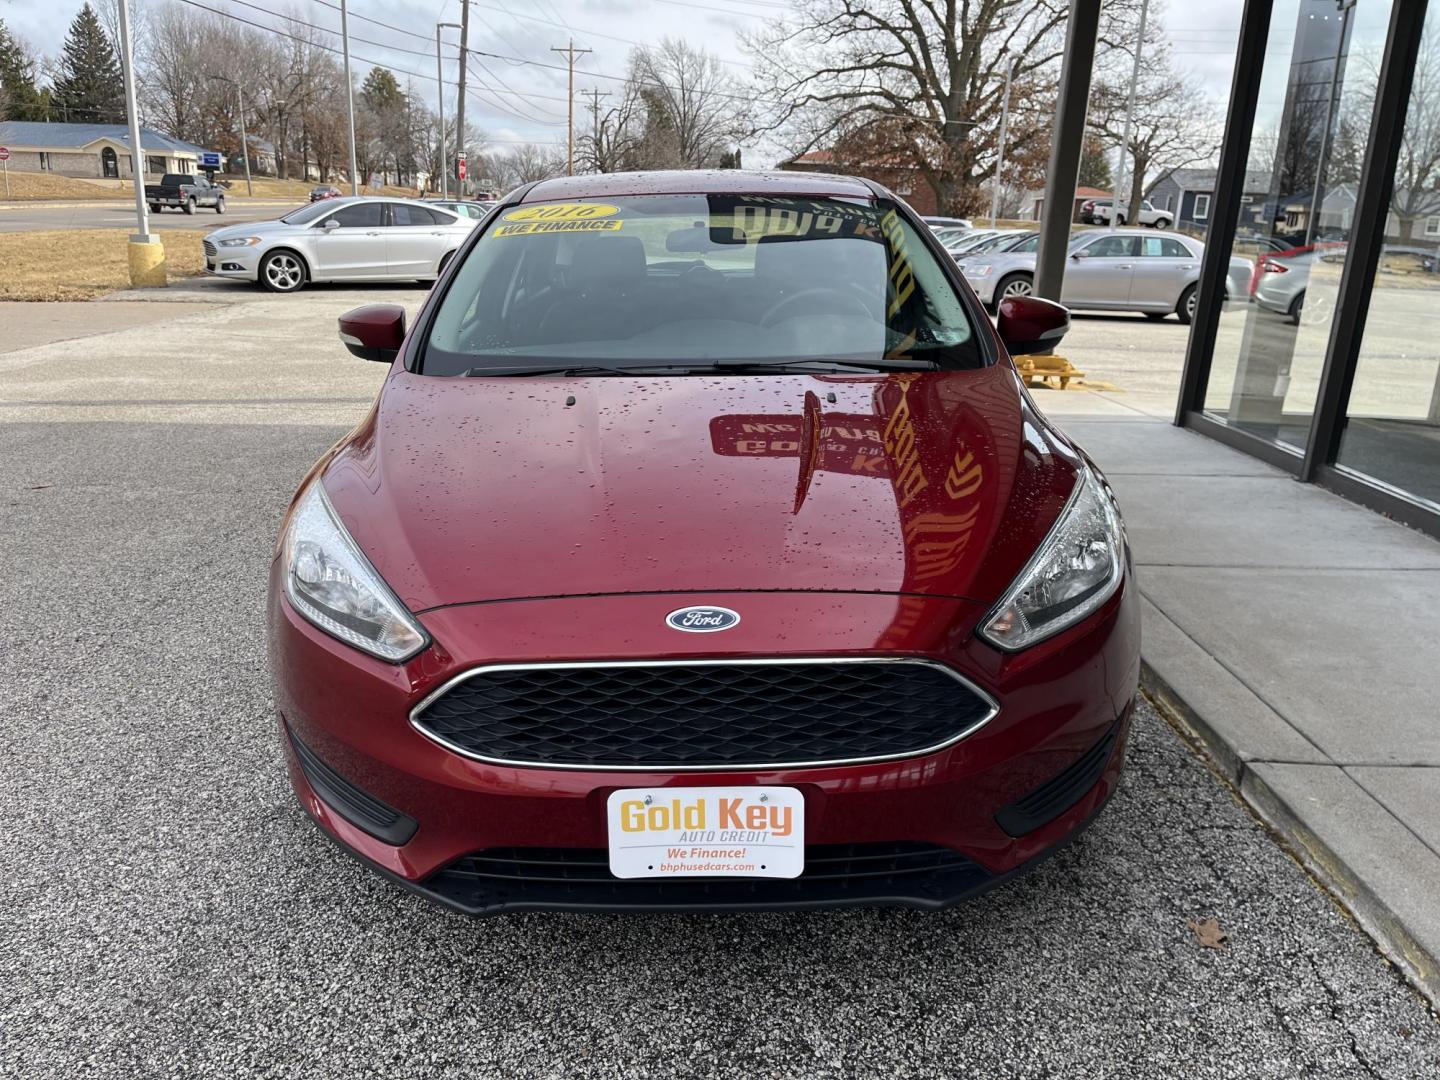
(1299, 637)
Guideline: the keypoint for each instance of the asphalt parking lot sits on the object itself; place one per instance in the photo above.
(170, 911)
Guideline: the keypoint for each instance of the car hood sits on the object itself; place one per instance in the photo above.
(465, 490)
(252, 228)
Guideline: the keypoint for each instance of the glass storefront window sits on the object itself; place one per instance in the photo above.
(1306, 151)
(1392, 426)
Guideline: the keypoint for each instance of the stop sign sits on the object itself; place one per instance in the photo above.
(4, 153)
(461, 167)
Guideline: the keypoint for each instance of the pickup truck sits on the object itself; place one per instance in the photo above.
(184, 192)
(1097, 212)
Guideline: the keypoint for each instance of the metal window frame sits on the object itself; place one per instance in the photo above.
(1224, 217)
(1319, 461)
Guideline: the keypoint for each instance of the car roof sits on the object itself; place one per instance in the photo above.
(697, 182)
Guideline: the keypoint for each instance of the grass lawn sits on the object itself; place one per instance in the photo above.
(78, 264)
(28, 185)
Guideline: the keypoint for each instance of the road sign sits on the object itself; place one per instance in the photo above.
(5, 162)
(4, 153)
(461, 170)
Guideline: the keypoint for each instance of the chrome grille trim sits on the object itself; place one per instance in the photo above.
(476, 672)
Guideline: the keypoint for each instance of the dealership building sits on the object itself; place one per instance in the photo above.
(1329, 182)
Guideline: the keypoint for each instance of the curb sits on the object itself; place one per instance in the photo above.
(1347, 886)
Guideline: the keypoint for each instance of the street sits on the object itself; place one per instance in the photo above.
(120, 214)
(172, 911)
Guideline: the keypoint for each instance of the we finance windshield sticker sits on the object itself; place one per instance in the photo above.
(579, 217)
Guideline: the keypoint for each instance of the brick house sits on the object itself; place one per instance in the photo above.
(904, 180)
(92, 151)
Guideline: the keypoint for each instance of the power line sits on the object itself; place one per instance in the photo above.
(337, 52)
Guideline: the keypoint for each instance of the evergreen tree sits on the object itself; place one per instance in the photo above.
(1095, 165)
(90, 88)
(20, 99)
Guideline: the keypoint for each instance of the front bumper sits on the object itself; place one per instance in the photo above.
(923, 831)
(240, 263)
(982, 287)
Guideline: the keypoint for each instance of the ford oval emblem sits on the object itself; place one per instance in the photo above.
(702, 620)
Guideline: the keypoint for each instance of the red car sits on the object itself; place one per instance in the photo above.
(703, 550)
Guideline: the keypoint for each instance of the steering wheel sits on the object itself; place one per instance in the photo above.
(839, 303)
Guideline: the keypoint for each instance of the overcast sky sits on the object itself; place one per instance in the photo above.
(520, 94)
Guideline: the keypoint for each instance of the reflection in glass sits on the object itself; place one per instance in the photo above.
(1316, 92)
(1392, 427)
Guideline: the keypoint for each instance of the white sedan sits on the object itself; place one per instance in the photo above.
(349, 239)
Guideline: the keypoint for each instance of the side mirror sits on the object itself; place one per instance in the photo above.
(1083, 253)
(330, 223)
(374, 332)
(1028, 324)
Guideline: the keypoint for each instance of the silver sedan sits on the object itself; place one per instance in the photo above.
(1124, 270)
(349, 239)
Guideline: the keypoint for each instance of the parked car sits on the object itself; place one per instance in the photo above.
(1280, 282)
(345, 239)
(324, 191)
(946, 222)
(958, 245)
(574, 620)
(184, 192)
(1098, 211)
(464, 207)
(1124, 270)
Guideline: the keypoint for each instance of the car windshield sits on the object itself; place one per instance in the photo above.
(308, 213)
(701, 282)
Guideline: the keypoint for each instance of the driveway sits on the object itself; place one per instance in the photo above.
(169, 909)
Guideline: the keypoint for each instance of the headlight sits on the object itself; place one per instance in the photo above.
(241, 241)
(1076, 569)
(977, 271)
(331, 583)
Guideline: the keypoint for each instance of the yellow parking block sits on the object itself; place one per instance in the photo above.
(147, 263)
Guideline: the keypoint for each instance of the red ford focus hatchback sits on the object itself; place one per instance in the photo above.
(703, 549)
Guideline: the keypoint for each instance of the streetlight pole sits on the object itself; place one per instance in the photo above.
(1313, 224)
(440, 91)
(1004, 131)
(1129, 115)
(144, 253)
(349, 99)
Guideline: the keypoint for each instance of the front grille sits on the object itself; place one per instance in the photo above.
(210, 249)
(703, 715)
(835, 874)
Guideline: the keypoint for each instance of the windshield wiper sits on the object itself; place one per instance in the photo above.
(562, 369)
(747, 367)
(863, 367)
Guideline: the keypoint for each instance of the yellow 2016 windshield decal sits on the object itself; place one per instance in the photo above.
(576, 211)
(531, 228)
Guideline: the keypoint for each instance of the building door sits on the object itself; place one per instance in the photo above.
(109, 166)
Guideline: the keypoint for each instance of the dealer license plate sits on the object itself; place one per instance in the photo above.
(706, 832)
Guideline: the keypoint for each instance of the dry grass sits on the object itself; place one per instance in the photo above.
(28, 185)
(78, 264)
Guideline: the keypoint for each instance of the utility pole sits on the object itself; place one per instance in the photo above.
(349, 102)
(460, 98)
(570, 53)
(440, 91)
(1129, 118)
(1004, 131)
(595, 96)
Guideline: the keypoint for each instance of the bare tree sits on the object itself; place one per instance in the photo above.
(1416, 193)
(524, 164)
(701, 106)
(927, 75)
